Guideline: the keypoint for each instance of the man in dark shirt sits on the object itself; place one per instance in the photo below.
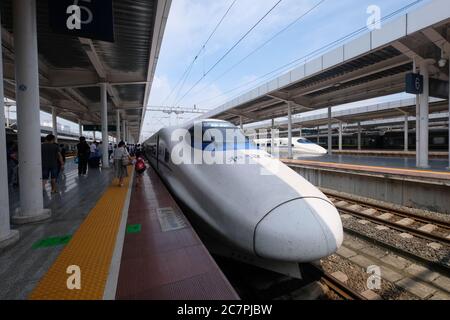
(83, 152)
(50, 158)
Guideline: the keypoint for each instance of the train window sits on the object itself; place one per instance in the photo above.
(223, 134)
(304, 141)
(166, 155)
(438, 140)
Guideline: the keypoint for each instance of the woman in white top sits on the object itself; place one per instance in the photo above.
(121, 160)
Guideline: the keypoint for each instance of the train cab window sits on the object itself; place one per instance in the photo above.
(222, 134)
(304, 141)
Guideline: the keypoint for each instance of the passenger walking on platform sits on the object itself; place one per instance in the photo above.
(100, 152)
(62, 150)
(121, 160)
(140, 168)
(13, 165)
(50, 158)
(110, 150)
(83, 152)
(93, 149)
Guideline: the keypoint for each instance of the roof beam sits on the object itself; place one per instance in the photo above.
(413, 54)
(89, 49)
(437, 39)
(380, 87)
(357, 74)
(287, 98)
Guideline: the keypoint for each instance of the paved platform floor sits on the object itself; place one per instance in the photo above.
(163, 257)
(22, 265)
(156, 254)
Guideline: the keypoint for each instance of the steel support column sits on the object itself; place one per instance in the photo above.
(241, 125)
(329, 137)
(406, 129)
(7, 236)
(449, 115)
(54, 124)
(424, 114)
(80, 128)
(417, 120)
(340, 136)
(117, 126)
(272, 138)
(124, 127)
(359, 135)
(28, 114)
(289, 112)
(104, 116)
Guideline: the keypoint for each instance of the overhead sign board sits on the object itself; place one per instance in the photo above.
(82, 18)
(95, 127)
(414, 83)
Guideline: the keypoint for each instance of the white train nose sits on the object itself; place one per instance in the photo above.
(302, 230)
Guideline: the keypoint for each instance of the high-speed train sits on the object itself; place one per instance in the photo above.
(249, 200)
(300, 145)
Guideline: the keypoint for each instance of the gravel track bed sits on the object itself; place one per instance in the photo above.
(413, 245)
(357, 279)
(368, 201)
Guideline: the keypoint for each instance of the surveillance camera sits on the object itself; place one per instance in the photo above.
(442, 62)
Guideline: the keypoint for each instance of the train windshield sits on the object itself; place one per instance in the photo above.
(304, 141)
(220, 136)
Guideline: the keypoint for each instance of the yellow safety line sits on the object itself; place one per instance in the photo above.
(369, 167)
(91, 249)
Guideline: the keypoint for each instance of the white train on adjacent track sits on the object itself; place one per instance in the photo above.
(251, 203)
(300, 146)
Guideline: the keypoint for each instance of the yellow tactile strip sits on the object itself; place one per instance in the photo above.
(91, 248)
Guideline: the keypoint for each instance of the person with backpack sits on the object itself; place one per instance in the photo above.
(83, 153)
(51, 156)
(121, 159)
(140, 168)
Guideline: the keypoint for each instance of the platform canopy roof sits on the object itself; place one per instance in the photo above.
(71, 68)
(373, 65)
(381, 111)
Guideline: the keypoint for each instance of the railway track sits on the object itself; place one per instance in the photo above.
(338, 287)
(423, 227)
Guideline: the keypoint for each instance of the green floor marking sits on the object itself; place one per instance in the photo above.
(52, 241)
(133, 228)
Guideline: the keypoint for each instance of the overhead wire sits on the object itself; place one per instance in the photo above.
(305, 58)
(189, 68)
(262, 45)
(229, 50)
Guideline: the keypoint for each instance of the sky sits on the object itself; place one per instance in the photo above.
(191, 22)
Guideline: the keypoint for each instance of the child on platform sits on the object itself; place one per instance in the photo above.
(140, 168)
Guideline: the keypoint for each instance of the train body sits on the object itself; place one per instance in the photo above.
(300, 146)
(391, 140)
(247, 199)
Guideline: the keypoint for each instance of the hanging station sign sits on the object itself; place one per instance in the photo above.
(91, 19)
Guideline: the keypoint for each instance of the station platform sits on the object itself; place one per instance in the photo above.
(369, 161)
(123, 243)
(391, 153)
(401, 185)
(383, 166)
